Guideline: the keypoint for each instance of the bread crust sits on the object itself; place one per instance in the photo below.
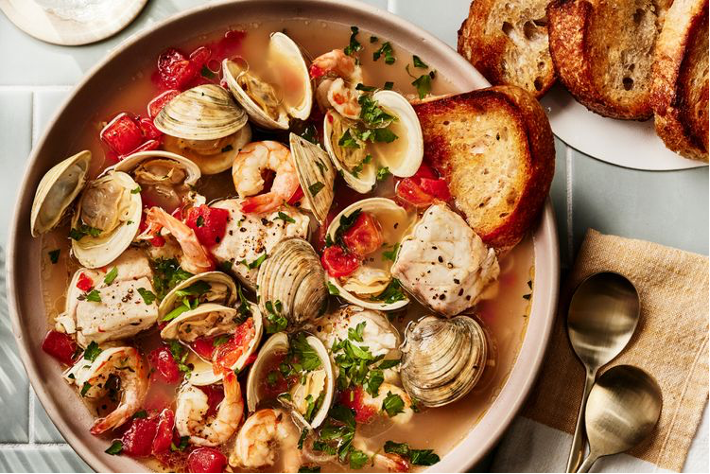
(486, 51)
(679, 103)
(527, 121)
(572, 26)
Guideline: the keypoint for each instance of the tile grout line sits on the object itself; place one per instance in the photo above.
(37, 88)
(570, 228)
(33, 447)
(391, 6)
(31, 402)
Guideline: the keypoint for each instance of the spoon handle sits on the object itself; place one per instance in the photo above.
(587, 464)
(576, 454)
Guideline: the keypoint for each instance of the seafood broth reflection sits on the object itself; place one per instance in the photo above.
(504, 316)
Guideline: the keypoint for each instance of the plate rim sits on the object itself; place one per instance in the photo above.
(545, 240)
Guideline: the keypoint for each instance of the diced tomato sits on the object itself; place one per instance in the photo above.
(365, 235)
(164, 432)
(215, 395)
(206, 460)
(229, 353)
(138, 438)
(160, 101)
(425, 171)
(60, 346)
(148, 129)
(436, 188)
(204, 346)
(149, 145)
(122, 134)
(166, 369)
(84, 283)
(200, 56)
(353, 398)
(338, 263)
(411, 193)
(423, 188)
(175, 70)
(316, 71)
(209, 224)
(157, 241)
(296, 196)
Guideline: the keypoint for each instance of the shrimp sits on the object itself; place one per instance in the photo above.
(367, 406)
(336, 63)
(125, 363)
(194, 258)
(384, 461)
(260, 436)
(247, 173)
(338, 93)
(192, 407)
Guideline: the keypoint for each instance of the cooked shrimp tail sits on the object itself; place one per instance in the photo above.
(267, 435)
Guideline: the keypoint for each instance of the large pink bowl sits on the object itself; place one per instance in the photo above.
(26, 307)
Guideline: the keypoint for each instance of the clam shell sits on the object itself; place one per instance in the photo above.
(212, 163)
(177, 328)
(293, 276)
(205, 112)
(279, 342)
(314, 169)
(402, 162)
(366, 179)
(173, 300)
(381, 208)
(57, 190)
(282, 49)
(443, 359)
(130, 163)
(95, 252)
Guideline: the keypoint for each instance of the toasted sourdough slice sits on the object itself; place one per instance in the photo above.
(602, 51)
(496, 149)
(507, 42)
(680, 79)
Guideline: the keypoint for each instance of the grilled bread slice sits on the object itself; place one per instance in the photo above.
(507, 43)
(680, 82)
(602, 51)
(495, 148)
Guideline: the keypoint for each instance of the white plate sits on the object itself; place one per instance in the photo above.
(627, 143)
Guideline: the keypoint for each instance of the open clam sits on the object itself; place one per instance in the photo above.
(291, 285)
(165, 177)
(316, 176)
(209, 287)
(359, 149)
(106, 220)
(205, 125)
(443, 359)
(281, 90)
(296, 371)
(222, 338)
(57, 191)
(372, 285)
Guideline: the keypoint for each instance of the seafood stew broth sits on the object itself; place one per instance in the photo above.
(501, 312)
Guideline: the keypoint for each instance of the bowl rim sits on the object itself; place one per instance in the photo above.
(509, 400)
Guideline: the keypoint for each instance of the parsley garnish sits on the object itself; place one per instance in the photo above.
(418, 62)
(302, 438)
(54, 256)
(306, 468)
(200, 221)
(386, 50)
(244, 309)
(383, 173)
(110, 276)
(315, 188)
(186, 305)
(393, 404)
(136, 190)
(354, 45)
(184, 440)
(94, 296)
(275, 321)
(359, 167)
(392, 293)
(363, 87)
(348, 141)
(256, 263)
(307, 356)
(140, 414)
(225, 266)
(358, 459)
(372, 114)
(206, 72)
(115, 448)
(85, 388)
(286, 218)
(220, 340)
(373, 39)
(147, 295)
(179, 353)
(310, 133)
(418, 457)
(332, 289)
(92, 351)
(227, 148)
(391, 254)
(78, 233)
(346, 222)
(167, 274)
(388, 85)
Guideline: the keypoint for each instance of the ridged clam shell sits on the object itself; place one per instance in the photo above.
(442, 359)
(130, 163)
(313, 167)
(172, 300)
(57, 190)
(96, 252)
(293, 276)
(205, 112)
(212, 163)
(279, 342)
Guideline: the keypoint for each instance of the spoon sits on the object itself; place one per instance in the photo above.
(601, 319)
(622, 411)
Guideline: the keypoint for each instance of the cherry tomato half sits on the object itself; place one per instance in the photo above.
(209, 224)
(60, 346)
(206, 460)
(122, 134)
(365, 235)
(138, 438)
(166, 369)
(175, 70)
(411, 193)
(338, 263)
(160, 101)
(164, 432)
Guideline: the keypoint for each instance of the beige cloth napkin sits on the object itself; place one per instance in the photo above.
(670, 343)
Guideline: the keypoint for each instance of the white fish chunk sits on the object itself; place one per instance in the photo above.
(444, 263)
(121, 312)
(250, 236)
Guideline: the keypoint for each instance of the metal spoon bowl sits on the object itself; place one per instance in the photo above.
(623, 409)
(602, 317)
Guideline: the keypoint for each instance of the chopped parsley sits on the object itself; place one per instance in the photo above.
(244, 309)
(200, 222)
(358, 459)
(179, 353)
(306, 355)
(92, 351)
(54, 256)
(418, 457)
(206, 72)
(285, 217)
(315, 188)
(391, 254)
(389, 363)
(363, 87)
(94, 296)
(256, 263)
(416, 60)
(383, 173)
(83, 230)
(85, 388)
(136, 190)
(140, 414)
(386, 51)
(115, 448)
(302, 438)
(167, 274)
(348, 141)
(360, 166)
(111, 276)
(392, 404)
(184, 440)
(346, 222)
(354, 45)
(220, 340)
(332, 289)
(307, 468)
(275, 321)
(388, 85)
(310, 133)
(186, 305)
(147, 295)
(423, 85)
(198, 288)
(374, 39)
(392, 293)
(226, 148)
(372, 114)
(225, 266)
